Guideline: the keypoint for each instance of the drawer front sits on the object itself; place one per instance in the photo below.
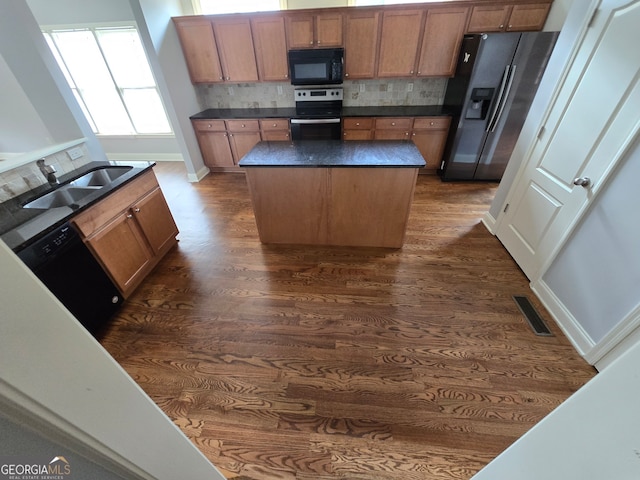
(115, 203)
(356, 123)
(270, 124)
(402, 123)
(208, 125)
(435, 123)
(242, 125)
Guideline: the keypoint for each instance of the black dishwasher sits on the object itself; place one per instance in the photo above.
(66, 266)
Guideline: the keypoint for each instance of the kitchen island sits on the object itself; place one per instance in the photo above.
(356, 193)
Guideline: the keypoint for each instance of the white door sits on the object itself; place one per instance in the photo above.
(595, 112)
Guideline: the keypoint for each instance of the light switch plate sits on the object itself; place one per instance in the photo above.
(389, 87)
(362, 87)
(409, 87)
(74, 153)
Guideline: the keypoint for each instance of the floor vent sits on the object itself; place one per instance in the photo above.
(536, 323)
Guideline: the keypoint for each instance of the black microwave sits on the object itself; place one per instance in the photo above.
(322, 66)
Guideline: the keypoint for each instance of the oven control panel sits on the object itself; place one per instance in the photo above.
(318, 94)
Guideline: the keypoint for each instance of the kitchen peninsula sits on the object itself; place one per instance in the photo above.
(355, 193)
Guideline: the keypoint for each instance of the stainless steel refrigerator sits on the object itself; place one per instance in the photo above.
(489, 97)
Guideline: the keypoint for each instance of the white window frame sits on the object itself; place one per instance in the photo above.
(115, 26)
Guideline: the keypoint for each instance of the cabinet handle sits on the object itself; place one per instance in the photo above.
(221, 78)
(346, 74)
(275, 124)
(231, 134)
(318, 42)
(311, 42)
(129, 215)
(228, 78)
(357, 124)
(431, 124)
(136, 209)
(209, 126)
(413, 134)
(393, 124)
(501, 26)
(242, 125)
(411, 72)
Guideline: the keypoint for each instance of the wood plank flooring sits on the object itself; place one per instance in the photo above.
(341, 363)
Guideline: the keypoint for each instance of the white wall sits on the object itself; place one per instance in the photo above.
(21, 128)
(161, 42)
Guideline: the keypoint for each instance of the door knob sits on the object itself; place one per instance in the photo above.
(582, 181)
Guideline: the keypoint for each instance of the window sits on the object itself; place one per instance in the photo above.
(238, 6)
(110, 77)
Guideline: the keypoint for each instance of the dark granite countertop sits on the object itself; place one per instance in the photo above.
(334, 153)
(393, 111)
(231, 113)
(21, 226)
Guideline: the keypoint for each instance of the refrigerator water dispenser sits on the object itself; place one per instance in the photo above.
(479, 103)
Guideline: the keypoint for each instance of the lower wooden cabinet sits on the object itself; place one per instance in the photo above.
(429, 134)
(275, 129)
(129, 231)
(224, 142)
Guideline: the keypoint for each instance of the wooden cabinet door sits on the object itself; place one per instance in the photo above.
(488, 19)
(123, 251)
(199, 49)
(443, 31)
(215, 149)
(242, 142)
(235, 45)
(399, 42)
(361, 40)
(300, 31)
(431, 143)
(328, 30)
(270, 44)
(154, 217)
(528, 17)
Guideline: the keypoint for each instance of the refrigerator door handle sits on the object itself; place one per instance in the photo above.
(505, 87)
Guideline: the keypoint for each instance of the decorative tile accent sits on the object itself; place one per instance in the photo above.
(426, 91)
(27, 177)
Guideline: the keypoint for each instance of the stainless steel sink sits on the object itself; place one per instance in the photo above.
(63, 197)
(100, 178)
(79, 188)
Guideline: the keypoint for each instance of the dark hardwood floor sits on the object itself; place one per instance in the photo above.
(304, 363)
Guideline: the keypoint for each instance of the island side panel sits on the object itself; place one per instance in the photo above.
(370, 207)
(290, 204)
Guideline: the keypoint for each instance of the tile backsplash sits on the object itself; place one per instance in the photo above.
(357, 93)
(27, 177)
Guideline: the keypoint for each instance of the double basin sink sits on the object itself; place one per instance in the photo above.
(73, 192)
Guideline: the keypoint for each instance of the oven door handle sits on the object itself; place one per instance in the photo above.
(314, 120)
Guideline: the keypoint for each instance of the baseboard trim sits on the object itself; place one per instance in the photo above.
(489, 222)
(199, 175)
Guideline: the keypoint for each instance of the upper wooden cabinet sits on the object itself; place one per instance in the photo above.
(360, 42)
(529, 17)
(399, 42)
(443, 31)
(269, 41)
(218, 51)
(200, 50)
(235, 46)
(385, 42)
(314, 30)
(507, 18)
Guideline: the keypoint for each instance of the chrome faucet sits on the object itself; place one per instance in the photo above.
(49, 171)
